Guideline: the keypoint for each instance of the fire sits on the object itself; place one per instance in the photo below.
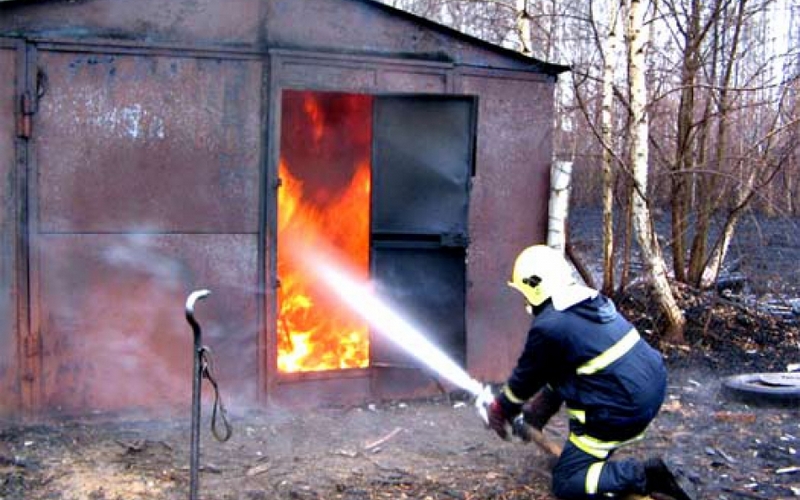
(323, 202)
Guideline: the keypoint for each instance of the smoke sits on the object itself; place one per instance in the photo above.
(137, 253)
(115, 339)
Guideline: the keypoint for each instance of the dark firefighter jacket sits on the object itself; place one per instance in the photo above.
(593, 358)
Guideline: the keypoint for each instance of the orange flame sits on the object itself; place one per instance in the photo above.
(314, 333)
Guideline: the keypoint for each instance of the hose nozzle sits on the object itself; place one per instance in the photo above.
(482, 402)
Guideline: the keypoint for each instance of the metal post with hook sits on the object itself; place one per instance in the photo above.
(194, 458)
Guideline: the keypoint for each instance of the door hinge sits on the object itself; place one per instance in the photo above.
(27, 108)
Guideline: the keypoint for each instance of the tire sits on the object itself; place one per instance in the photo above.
(766, 388)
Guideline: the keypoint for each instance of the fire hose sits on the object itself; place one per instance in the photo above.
(203, 368)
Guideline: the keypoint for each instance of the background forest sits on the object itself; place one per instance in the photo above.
(683, 110)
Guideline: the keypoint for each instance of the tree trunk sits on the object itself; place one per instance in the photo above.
(685, 144)
(711, 271)
(607, 137)
(642, 221)
(524, 28)
(558, 209)
(627, 239)
(702, 271)
(705, 183)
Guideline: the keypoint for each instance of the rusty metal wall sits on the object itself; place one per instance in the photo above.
(148, 171)
(166, 144)
(9, 374)
(508, 210)
(113, 335)
(342, 72)
(147, 152)
(233, 23)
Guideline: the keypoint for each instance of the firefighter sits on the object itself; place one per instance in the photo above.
(582, 352)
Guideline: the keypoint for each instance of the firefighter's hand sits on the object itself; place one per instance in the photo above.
(498, 419)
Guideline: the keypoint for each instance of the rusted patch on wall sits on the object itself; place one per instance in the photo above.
(164, 144)
(508, 198)
(148, 185)
(9, 382)
(113, 335)
(233, 22)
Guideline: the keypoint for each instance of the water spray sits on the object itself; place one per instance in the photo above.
(393, 326)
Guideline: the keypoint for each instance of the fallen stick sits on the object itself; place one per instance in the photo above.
(538, 437)
(382, 440)
(746, 494)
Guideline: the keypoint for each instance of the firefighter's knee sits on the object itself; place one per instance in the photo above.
(570, 483)
(566, 490)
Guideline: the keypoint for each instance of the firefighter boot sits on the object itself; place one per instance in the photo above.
(538, 411)
(661, 480)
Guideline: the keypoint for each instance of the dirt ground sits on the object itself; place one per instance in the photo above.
(438, 448)
(433, 449)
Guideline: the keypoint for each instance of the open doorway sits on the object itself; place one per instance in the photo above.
(382, 180)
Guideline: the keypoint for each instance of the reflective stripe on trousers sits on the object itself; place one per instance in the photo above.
(593, 478)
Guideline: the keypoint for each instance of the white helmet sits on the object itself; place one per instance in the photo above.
(542, 273)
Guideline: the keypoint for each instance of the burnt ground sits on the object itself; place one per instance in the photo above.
(437, 448)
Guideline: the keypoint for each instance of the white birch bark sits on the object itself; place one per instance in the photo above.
(558, 209)
(642, 220)
(711, 271)
(524, 28)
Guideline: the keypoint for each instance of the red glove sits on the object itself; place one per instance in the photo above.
(498, 420)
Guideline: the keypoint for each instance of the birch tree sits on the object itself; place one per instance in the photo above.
(642, 220)
(524, 28)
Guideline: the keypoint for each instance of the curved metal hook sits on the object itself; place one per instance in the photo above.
(190, 301)
(194, 457)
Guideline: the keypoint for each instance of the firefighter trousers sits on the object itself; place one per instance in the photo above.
(579, 475)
